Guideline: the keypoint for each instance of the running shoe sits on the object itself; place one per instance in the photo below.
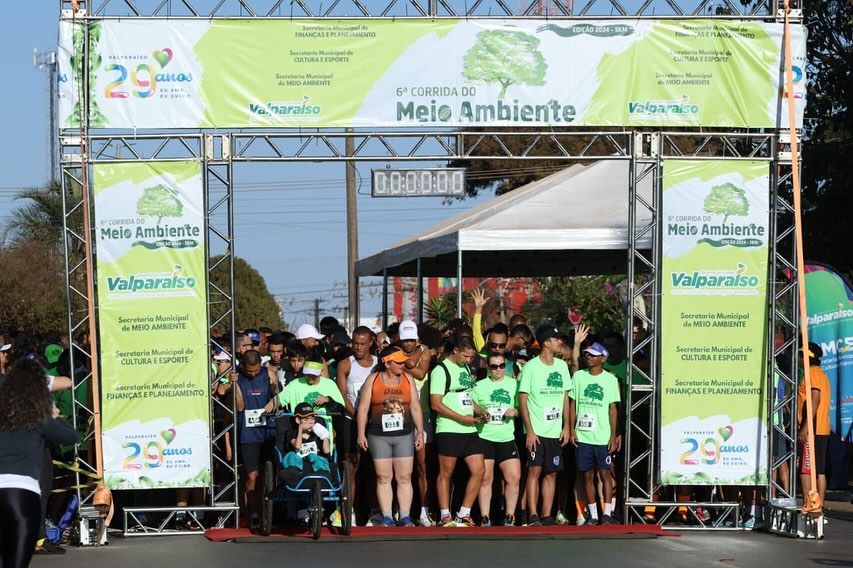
(335, 519)
(590, 521)
(548, 521)
(751, 524)
(509, 521)
(375, 520)
(608, 520)
(561, 519)
(466, 522)
(533, 521)
(405, 522)
(427, 521)
(581, 521)
(48, 547)
(486, 521)
(522, 518)
(388, 522)
(447, 521)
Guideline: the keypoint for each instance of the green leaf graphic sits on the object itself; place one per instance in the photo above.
(506, 58)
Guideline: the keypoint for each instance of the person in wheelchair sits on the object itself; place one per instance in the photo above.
(311, 448)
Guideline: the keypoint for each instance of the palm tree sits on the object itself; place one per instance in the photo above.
(40, 219)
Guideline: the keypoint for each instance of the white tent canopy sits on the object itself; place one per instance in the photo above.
(572, 222)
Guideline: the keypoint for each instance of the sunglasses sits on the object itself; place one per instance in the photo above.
(494, 345)
(498, 366)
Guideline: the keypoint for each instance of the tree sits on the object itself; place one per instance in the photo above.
(254, 305)
(160, 201)
(32, 288)
(506, 58)
(727, 199)
(595, 296)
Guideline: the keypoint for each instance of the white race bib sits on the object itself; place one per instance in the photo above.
(496, 415)
(254, 418)
(307, 448)
(552, 413)
(586, 423)
(465, 400)
(392, 422)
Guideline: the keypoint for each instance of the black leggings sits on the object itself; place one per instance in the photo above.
(19, 526)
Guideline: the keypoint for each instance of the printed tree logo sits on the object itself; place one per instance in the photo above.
(594, 391)
(500, 396)
(506, 58)
(465, 380)
(159, 201)
(311, 397)
(727, 200)
(555, 380)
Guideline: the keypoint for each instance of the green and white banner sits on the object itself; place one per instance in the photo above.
(416, 72)
(154, 341)
(713, 336)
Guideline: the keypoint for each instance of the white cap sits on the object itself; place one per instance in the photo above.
(5, 347)
(408, 330)
(222, 356)
(306, 330)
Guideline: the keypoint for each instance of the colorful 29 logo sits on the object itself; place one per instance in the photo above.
(144, 76)
(708, 450)
(152, 453)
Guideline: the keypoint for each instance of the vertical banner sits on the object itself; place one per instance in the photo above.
(829, 301)
(714, 322)
(152, 288)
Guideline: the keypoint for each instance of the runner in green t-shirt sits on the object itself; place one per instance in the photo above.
(593, 401)
(450, 384)
(544, 406)
(498, 395)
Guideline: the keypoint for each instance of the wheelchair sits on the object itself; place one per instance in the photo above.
(316, 489)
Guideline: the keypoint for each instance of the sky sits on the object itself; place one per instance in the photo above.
(290, 219)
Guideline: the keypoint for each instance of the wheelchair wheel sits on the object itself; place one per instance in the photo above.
(268, 485)
(317, 511)
(346, 499)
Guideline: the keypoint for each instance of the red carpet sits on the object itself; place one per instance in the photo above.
(362, 534)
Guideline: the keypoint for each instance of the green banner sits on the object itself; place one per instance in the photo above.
(154, 340)
(713, 336)
(420, 72)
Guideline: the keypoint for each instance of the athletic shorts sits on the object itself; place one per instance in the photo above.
(591, 456)
(253, 453)
(821, 444)
(499, 451)
(548, 455)
(456, 445)
(429, 427)
(390, 447)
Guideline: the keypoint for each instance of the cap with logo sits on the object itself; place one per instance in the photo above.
(303, 410)
(546, 332)
(597, 349)
(313, 368)
(408, 330)
(52, 353)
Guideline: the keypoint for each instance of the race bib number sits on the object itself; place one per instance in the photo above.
(586, 423)
(307, 448)
(392, 422)
(552, 413)
(465, 400)
(254, 418)
(496, 415)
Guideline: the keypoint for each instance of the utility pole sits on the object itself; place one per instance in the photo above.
(352, 236)
(47, 62)
(317, 313)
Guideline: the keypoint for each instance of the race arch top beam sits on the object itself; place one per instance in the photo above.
(644, 148)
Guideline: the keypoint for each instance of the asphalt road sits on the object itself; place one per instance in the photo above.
(691, 549)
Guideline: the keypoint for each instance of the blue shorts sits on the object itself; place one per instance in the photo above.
(589, 456)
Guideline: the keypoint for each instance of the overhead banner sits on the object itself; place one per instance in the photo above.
(154, 339)
(829, 301)
(713, 336)
(427, 73)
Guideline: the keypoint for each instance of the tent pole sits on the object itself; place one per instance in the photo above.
(459, 284)
(419, 291)
(384, 298)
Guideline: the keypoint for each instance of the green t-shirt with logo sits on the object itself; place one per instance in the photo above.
(457, 398)
(496, 397)
(593, 395)
(545, 386)
(300, 391)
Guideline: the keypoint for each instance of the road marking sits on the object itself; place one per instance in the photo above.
(676, 546)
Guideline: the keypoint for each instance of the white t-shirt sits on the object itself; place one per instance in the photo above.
(357, 376)
(13, 481)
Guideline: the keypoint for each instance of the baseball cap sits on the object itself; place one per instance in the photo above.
(303, 410)
(222, 356)
(522, 354)
(546, 332)
(408, 330)
(597, 349)
(312, 368)
(52, 353)
(308, 331)
(5, 347)
(255, 336)
(340, 338)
